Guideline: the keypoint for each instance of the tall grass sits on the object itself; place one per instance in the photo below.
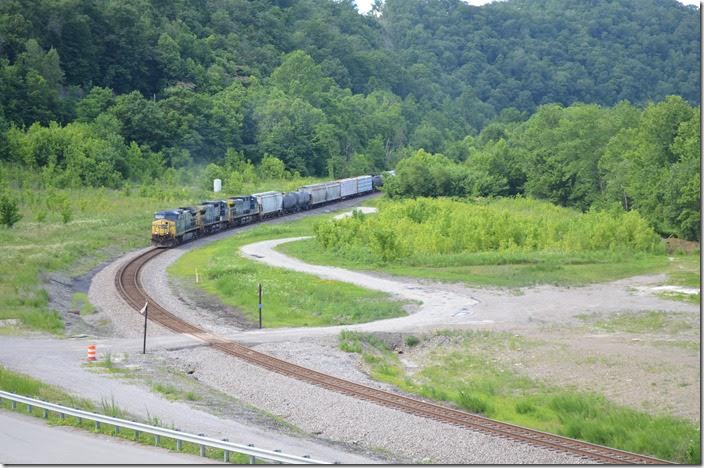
(427, 227)
(504, 242)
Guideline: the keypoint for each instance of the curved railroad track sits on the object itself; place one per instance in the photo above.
(130, 287)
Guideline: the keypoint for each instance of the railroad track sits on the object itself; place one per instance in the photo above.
(130, 287)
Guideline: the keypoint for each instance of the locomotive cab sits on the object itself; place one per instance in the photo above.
(164, 228)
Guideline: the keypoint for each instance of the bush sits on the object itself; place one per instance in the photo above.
(9, 213)
(412, 341)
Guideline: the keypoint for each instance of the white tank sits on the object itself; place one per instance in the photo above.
(217, 185)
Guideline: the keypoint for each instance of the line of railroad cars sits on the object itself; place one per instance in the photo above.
(175, 226)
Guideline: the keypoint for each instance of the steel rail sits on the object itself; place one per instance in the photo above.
(128, 283)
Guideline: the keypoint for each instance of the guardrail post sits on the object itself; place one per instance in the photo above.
(136, 435)
(80, 420)
(178, 441)
(117, 429)
(202, 447)
(46, 413)
(29, 409)
(14, 404)
(97, 425)
(252, 458)
(157, 440)
(278, 451)
(226, 453)
(62, 416)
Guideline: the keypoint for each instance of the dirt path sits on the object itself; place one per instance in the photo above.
(455, 305)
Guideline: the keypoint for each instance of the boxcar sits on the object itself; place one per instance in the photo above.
(364, 183)
(270, 203)
(348, 188)
(332, 191)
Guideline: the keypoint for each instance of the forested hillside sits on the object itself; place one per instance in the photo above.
(102, 92)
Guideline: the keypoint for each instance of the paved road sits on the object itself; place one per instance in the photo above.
(29, 440)
(59, 362)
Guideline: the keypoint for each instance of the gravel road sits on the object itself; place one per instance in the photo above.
(453, 305)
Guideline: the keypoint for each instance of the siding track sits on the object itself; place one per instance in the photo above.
(130, 287)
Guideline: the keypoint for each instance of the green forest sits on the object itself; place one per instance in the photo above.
(584, 104)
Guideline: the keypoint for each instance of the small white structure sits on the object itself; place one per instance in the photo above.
(217, 185)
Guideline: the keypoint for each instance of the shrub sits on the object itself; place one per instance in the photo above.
(412, 341)
(9, 213)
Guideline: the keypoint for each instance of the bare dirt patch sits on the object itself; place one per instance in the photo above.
(675, 245)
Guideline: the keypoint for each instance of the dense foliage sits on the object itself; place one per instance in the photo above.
(427, 227)
(580, 156)
(148, 84)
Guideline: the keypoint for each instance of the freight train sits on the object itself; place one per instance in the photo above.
(178, 225)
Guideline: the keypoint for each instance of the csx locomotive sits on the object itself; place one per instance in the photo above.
(178, 225)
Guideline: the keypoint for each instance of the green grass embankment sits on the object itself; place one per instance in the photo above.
(291, 299)
(472, 382)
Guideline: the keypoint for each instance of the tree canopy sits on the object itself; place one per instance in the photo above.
(100, 92)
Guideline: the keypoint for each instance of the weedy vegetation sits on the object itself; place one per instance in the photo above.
(458, 376)
(502, 242)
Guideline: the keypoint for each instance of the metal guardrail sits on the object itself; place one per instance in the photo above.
(178, 436)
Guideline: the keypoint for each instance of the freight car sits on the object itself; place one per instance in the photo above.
(270, 204)
(173, 227)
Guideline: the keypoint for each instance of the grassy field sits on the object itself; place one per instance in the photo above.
(101, 224)
(290, 299)
(23, 385)
(641, 322)
(555, 247)
(471, 381)
(496, 269)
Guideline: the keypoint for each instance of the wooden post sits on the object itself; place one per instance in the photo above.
(146, 312)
